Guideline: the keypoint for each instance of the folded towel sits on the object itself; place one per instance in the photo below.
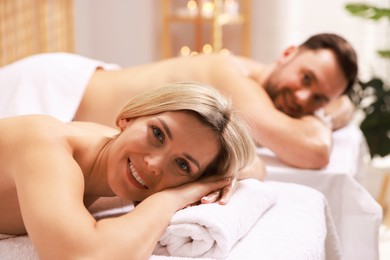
(3, 236)
(211, 230)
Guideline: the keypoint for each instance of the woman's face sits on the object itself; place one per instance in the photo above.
(157, 152)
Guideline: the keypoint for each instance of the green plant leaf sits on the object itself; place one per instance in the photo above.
(375, 127)
(368, 11)
(384, 53)
(376, 124)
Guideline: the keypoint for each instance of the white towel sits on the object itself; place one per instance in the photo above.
(49, 83)
(211, 230)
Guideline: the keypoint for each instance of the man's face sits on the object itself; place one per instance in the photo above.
(304, 81)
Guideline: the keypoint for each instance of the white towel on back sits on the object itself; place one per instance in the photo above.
(49, 83)
(211, 230)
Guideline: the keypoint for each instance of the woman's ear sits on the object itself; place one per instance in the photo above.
(123, 123)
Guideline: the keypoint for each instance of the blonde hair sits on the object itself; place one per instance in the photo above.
(237, 148)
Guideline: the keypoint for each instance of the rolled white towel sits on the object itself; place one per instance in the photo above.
(211, 230)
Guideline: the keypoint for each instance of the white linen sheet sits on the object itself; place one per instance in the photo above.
(298, 226)
(356, 214)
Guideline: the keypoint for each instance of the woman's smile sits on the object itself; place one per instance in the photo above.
(157, 152)
(134, 177)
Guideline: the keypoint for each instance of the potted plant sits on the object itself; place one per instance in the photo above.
(373, 96)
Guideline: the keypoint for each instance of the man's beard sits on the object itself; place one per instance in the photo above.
(283, 101)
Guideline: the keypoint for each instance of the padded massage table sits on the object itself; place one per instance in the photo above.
(356, 214)
(298, 226)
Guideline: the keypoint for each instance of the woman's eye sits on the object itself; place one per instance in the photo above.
(158, 134)
(183, 165)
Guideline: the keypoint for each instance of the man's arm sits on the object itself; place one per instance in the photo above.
(304, 143)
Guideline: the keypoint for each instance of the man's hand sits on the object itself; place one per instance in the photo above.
(341, 111)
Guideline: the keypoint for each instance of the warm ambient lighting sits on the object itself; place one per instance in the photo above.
(207, 49)
(207, 9)
(185, 51)
(231, 7)
(192, 6)
(224, 51)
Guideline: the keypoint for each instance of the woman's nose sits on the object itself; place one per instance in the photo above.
(154, 163)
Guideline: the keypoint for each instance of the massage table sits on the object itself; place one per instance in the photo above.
(356, 214)
(297, 226)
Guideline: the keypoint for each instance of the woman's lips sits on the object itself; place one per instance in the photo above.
(134, 177)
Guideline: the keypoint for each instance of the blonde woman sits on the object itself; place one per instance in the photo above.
(176, 144)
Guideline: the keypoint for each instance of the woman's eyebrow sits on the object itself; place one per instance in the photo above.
(169, 133)
(192, 159)
(166, 128)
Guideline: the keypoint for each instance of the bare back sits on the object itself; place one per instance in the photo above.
(108, 91)
(29, 142)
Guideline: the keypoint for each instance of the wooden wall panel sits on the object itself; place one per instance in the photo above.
(34, 26)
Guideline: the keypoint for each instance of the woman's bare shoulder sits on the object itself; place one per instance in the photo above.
(33, 130)
(20, 126)
(25, 138)
(49, 127)
(94, 128)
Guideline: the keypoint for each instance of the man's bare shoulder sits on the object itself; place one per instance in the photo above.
(204, 59)
(222, 62)
(245, 59)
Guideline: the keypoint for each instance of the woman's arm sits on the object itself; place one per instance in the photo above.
(50, 188)
(151, 217)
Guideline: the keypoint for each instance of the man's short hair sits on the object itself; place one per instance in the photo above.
(345, 54)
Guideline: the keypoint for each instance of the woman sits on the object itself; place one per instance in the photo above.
(50, 172)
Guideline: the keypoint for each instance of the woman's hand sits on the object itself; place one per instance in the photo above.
(192, 193)
(255, 170)
(222, 196)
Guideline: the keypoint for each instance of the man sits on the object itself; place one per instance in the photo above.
(277, 100)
